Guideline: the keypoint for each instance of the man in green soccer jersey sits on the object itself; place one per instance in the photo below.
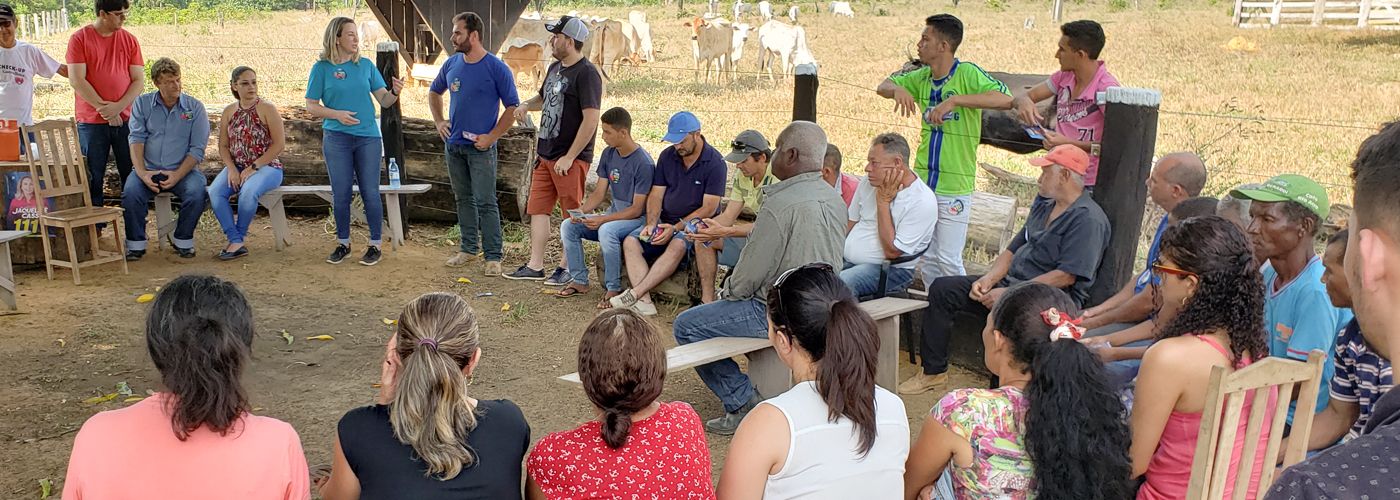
(951, 95)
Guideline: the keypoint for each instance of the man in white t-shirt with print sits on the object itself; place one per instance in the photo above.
(20, 62)
(887, 219)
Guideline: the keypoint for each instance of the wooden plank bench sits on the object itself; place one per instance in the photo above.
(768, 373)
(277, 213)
(7, 274)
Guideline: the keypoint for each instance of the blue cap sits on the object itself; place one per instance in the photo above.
(681, 123)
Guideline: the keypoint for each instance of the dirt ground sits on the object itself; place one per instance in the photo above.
(70, 343)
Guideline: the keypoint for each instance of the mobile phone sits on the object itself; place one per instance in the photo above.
(575, 213)
(1034, 132)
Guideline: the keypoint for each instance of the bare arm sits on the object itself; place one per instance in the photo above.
(884, 223)
(731, 213)
(1158, 388)
(78, 79)
(638, 206)
(654, 205)
(999, 267)
(225, 153)
(63, 70)
(586, 129)
(275, 128)
(1331, 424)
(931, 453)
(1024, 103)
(533, 490)
(342, 485)
(985, 100)
(138, 82)
(759, 448)
(595, 197)
(435, 107)
(1136, 308)
(1056, 278)
(888, 89)
(708, 204)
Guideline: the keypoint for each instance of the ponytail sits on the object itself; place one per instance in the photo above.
(1075, 435)
(430, 411)
(617, 424)
(623, 369)
(846, 370)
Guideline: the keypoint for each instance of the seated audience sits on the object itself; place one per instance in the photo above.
(1361, 375)
(637, 447)
(426, 438)
(250, 138)
(888, 219)
(722, 238)
(1061, 244)
(844, 183)
(624, 177)
(801, 222)
(1372, 257)
(1212, 314)
(169, 131)
(834, 434)
(195, 438)
(687, 185)
(1285, 214)
(1018, 440)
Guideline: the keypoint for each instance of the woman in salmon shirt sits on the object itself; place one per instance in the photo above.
(195, 438)
(1211, 301)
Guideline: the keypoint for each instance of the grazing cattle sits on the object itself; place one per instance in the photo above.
(783, 44)
(714, 44)
(736, 51)
(792, 14)
(638, 33)
(609, 45)
(528, 59)
(740, 9)
(842, 9)
(765, 10)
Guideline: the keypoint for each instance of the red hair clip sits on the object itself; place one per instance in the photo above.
(1065, 327)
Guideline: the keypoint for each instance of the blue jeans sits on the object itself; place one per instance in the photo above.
(723, 318)
(473, 175)
(98, 142)
(1123, 371)
(354, 160)
(729, 255)
(864, 279)
(262, 181)
(136, 200)
(609, 236)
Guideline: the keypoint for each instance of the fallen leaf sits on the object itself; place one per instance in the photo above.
(505, 306)
(145, 297)
(376, 386)
(257, 408)
(388, 321)
(61, 342)
(123, 389)
(547, 291)
(133, 399)
(45, 488)
(288, 336)
(321, 337)
(464, 280)
(100, 399)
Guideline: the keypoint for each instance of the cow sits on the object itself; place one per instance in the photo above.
(714, 44)
(528, 58)
(784, 44)
(765, 10)
(842, 9)
(741, 36)
(371, 33)
(740, 9)
(792, 14)
(638, 33)
(609, 45)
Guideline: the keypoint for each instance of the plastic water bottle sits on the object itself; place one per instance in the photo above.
(393, 173)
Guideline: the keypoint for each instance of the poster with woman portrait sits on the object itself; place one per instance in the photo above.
(20, 201)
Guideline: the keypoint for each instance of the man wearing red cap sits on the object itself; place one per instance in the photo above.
(1061, 245)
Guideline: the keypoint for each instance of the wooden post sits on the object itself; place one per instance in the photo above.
(1363, 14)
(1274, 16)
(1059, 10)
(1125, 160)
(1239, 13)
(391, 118)
(1319, 6)
(804, 92)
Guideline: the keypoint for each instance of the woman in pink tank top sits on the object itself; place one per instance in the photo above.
(1210, 313)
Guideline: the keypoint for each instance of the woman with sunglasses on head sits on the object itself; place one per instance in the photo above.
(1052, 430)
(1210, 301)
(834, 434)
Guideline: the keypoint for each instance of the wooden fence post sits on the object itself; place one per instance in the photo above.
(1125, 160)
(1239, 13)
(391, 118)
(1275, 15)
(804, 92)
(1363, 14)
(1319, 6)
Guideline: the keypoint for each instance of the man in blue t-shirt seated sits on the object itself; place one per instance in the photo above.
(687, 185)
(1285, 215)
(624, 171)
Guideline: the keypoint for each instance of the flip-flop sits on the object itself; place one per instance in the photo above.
(604, 304)
(570, 291)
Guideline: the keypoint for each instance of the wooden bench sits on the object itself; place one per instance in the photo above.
(768, 373)
(7, 274)
(272, 200)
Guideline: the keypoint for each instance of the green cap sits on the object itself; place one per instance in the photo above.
(1289, 187)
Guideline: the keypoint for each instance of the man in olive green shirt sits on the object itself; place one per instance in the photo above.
(721, 239)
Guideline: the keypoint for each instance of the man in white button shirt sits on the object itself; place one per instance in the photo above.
(887, 219)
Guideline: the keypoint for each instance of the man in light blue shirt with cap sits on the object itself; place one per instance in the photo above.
(169, 131)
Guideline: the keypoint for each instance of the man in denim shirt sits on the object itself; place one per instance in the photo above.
(169, 131)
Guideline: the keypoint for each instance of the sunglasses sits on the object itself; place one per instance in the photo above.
(775, 296)
(746, 148)
(1159, 269)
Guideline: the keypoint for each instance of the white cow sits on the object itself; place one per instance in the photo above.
(713, 45)
(765, 10)
(740, 8)
(371, 33)
(842, 9)
(525, 49)
(783, 44)
(792, 14)
(638, 33)
(741, 36)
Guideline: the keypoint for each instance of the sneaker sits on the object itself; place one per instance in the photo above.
(624, 300)
(492, 268)
(559, 277)
(644, 308)
(727, 424)
(461, 259)
(525, 273)
(338, 256)
(134, 255)
(923, 382)
(372, 255)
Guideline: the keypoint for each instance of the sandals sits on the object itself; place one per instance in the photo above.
(570, 291)
(604, 305)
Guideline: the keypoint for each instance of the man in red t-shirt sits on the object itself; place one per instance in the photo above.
(105, 69)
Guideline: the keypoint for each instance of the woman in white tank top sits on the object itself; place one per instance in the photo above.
(834, 434)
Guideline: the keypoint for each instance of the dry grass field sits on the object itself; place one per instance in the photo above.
(1301, 99)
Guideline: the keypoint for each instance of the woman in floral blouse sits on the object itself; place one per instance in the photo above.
(250, 138)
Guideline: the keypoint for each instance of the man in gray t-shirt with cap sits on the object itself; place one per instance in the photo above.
(719, 240)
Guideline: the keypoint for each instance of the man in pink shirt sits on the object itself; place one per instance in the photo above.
(105, 68)
(842, 182)
(1078, 115)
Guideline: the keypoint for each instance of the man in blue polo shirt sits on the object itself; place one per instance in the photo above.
(1285, 215)
(169, 131)
(480, 84)
(687, 185)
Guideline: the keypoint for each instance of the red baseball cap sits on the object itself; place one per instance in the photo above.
(1065, 155)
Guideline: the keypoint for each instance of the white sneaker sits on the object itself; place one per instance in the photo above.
(644, 308)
